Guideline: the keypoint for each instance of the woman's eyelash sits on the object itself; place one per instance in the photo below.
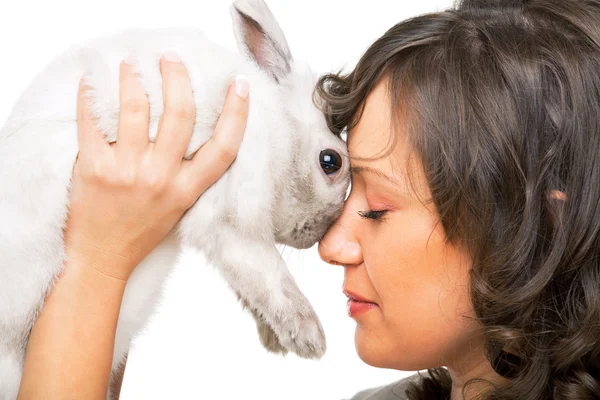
(372, 214)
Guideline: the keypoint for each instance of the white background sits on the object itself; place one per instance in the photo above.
(200, 345)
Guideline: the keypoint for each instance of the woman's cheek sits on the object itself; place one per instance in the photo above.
(395, 254)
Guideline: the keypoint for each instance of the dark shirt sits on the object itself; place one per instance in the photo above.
(394, 391)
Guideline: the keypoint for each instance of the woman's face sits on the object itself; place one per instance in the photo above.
(413, 285)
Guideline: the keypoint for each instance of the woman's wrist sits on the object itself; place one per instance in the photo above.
(96, 262)
(91, 273)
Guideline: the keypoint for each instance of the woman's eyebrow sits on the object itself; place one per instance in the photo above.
(376, 172)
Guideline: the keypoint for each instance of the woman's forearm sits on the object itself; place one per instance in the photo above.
(117, 215)
(70, 349)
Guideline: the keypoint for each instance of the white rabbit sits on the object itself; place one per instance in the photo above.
(286, 186)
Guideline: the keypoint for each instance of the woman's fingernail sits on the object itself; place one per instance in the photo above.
(129, 58)
(171, 56)
(85, 78)
(241, 86)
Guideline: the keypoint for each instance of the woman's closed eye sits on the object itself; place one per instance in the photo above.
(373, 214)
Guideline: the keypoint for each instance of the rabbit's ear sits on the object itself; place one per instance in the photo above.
(259, 37)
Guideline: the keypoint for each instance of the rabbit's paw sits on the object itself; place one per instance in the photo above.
(302, 334)
(269, 339)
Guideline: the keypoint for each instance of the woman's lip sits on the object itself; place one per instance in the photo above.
(357, 304)
(357, 297)
(356, 308)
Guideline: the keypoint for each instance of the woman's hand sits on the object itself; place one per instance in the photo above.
(127, 196)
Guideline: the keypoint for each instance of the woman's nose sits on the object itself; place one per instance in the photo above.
(340, 245)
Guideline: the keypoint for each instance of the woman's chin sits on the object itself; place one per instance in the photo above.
(371, 348)
(378, 350)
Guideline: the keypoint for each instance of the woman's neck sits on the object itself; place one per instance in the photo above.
(472, 364)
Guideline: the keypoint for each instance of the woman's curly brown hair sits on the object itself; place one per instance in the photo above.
(502, 99)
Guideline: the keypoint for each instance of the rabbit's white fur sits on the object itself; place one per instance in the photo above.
(275, 192)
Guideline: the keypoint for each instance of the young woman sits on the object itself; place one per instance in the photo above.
(471, 237)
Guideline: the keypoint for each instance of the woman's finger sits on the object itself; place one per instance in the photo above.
(88, 136)
(214, 158)
(177, 122)
(134, 110)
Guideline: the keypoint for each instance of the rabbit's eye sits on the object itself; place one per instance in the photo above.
(331, 161)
